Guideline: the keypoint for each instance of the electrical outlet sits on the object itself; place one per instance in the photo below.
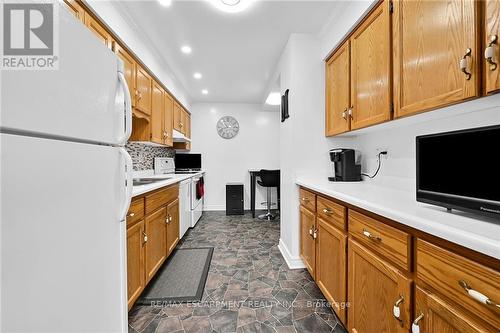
(379, 150)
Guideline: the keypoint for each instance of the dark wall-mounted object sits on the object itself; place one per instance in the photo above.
(234, 199)
(284, 106)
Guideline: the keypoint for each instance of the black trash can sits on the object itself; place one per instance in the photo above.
(234, 199)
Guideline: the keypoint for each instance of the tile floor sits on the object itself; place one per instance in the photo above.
(249, 287)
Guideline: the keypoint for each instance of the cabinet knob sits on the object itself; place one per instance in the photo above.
(463, 64)
(489, 52)
(415, 327)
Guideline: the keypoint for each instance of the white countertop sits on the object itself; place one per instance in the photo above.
(475, 232)
(169, 180)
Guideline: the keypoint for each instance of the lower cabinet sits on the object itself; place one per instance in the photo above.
(331, 266)
(172, 226)
(156, 242)
(432, 314)
(307, 241)
(136, 241)
(379, 295)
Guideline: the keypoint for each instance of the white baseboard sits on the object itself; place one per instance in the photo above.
(214, 207)
(292, 262)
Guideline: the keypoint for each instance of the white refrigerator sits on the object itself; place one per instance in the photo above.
(66, 185)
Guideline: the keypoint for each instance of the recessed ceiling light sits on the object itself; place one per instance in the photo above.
(204, 92)
(186, 49)
(197, 76)
(274, 98)
(165, 3)
(231, 6)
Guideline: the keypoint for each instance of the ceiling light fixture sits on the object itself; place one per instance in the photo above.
(197, 76)
(204, 92)
(231, 6)
(186, 49)
(165, 3)
(274, 98)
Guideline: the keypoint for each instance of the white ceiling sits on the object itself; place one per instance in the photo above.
(236, 53)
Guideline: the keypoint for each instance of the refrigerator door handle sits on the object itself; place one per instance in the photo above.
(128, 182)
(128, 108)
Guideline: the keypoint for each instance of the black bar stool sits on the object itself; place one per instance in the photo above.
(269, 179)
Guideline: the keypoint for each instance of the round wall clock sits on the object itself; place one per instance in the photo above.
(227, 127)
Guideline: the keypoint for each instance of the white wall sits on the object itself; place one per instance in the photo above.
(255, 146)
(116, 18)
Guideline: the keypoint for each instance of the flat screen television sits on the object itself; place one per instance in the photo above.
(460, 170)
(187, 161)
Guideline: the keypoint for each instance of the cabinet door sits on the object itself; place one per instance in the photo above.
(430, 40)
(188, 125)
(371, 70)
(129, 69)
(99, 31)
(173, 226)
(76, 9)
(337, 92)
(143, 94)
(157, 114)
(432, 314)
(331, 266)
(183, 121)
(169, 119)
(374, 288)
(156, 244)
(492, 40)
(307, 242)
(177, 116)
(136, 242)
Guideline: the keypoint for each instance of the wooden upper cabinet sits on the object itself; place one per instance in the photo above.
(184, 116)
(492, 43)
(431, 39)
(135, 262)
(371, 93)
(432, 315)
(331, 267)
(143, 96)
(156, 241)
(188, 125)
(169, 119)
(76, 9)
(129, 69)
(374, 289)
(338, 91)
(157, 114)
(173, 232)
(307, 241)
(99, 31)
(177, 116)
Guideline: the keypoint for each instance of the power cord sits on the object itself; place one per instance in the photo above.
(379, 165)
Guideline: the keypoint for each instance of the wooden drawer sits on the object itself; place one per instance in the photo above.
(390, 242)
(136, 211)
(443, 270)
(307, 199)
(332, 212)
(161, 198)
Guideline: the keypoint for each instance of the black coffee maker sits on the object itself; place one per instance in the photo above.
(346, 169)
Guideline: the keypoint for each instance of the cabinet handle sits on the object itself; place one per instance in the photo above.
(315, 233)
(181, 124)
(131, 214)
(145, 237)
(396, 311)
(481, 298)
(305, 199)
(489, 52)
(327, 211)
(311, 231)
(170, 219)
(138, 94)
(415, 327)
(370, 236)
(349, 112)
(463, 64)
(344, 114)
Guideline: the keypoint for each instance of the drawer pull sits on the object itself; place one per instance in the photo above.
(415, 327)
(463, 64)
(489, 52)
(370, 236)
(131, 214)
(327, 211)
(305, 199)
(481, 298)
(396, 311)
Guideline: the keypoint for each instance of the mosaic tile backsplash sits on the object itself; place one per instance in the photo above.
(143, 154)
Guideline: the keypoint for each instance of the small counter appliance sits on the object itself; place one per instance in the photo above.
(345, 167)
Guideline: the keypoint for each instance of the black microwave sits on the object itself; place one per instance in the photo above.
(460, 170)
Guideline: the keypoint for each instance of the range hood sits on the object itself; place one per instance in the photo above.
(179, 137)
